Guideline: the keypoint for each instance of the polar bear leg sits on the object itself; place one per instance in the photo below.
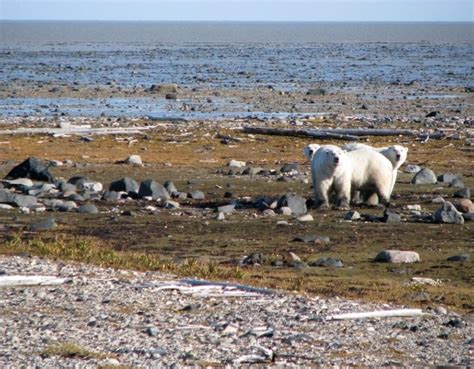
(343, 192)
(321, 192)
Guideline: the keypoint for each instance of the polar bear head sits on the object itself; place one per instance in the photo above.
(333, 155)
(310, 150)
(396, 154)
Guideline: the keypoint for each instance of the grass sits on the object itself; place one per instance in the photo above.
(70, 350)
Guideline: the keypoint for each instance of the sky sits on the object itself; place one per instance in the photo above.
(240, 10)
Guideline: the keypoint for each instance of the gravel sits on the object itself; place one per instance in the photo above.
(129, 319)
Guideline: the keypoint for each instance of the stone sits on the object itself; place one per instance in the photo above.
(296, 203)
(455, 323)
(43, 225)
(152, 331)
(447, 177)
(456, 183)
(464, 205)
(153, 189)
(440, 310)
(32, 168)
(78, 181)
(24, 201)
(468, 216)
(290, 167)
(171, 96)
(431, 114)
(390, 216)
(268, 213)
(460, 258)
(312, 239)
(196, 195)
(237, 164)
(464, 193)
(252, 259)
(352, 215)
(226, 209)
(171, 188)
(412, 168)
(169, 204)
(6, 207)
(110, 196)
(448, 213)
(26, 182)
(316, 92)
(134, 160)
(92, 186)
(327, 262)
(424, 176)
(397, 256)
(220, 216)
(88, 209)
(66, 187)
(6, 197)
(305, 218)
(125, 184)
(164, 88)
(438, 200)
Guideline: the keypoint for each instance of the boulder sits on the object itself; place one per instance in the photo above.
(290, 167)
(196, 195)
(88, 209)
(153, 189)
(134, 160)
(312, 239)
(424, 176)
(24, 182)
(226, 209)
(236, 164)
(171, 188)
(448, 213)
(125, 184)
(43, 225)
(316, 92)
(397, 256)
(460, 258)
(327, 263)
(32, 168)
(447, 177)
(6, 197)
(456, 183)
(468, 216)
(412, 168)
(111, 196)
(464, 206)
(464, 193)
(24, 201)
(390, 216)
(296, 203)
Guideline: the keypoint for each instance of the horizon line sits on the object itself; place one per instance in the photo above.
(232, 21)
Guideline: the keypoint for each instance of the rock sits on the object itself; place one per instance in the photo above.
(455, 323)
(296, 203)
(110, 196)
(125, 184)
(236, 164)
(390, 216)
(412, 168)
(327, 262)
(88, 209)
(25, 182)
(460, 258)
(397, 256)
(431, 114)
(252, 171)
(220, 216)
(170, 187)
(6, 197)
(285, 210)
(43, 225)
(171, 96)
(169, 204)
(447, 177)
(92, 186)
(152, 331)
(447, 213)
(252, 259)
(456, 183)
(352, 215)
(164, 88)
(464, 193)
(153, 189)
(290, 167)
(464, 206)
(6, 207)
(312, 239)
(66, 187)
(438, 200)
(468, 216)
(24, 201)
(440, 310)
(134, 160)
(78, 181)
(268, 213)
(424, 176)
(32, 168)
(226, 209)
(196, 195)
(316, 92)
(305, 218)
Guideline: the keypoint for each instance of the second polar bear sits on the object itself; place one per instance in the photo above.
(334, 170)
(310, 150)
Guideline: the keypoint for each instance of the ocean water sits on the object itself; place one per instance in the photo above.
(287, 56)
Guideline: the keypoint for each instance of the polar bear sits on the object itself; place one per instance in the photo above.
(334, 170)
(310, 150)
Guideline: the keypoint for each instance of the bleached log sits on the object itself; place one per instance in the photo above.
(312, 133)
(77, 130)
(377, 314)
(30, 280)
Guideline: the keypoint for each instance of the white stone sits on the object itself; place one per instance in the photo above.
(306, 218)
(397, 256)
(134, 160)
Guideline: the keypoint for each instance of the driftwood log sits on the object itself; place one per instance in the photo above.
(377, 314)
(349, 134)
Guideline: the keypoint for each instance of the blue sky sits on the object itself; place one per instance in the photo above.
(244, 10)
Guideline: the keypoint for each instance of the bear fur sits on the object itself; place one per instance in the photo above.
(334, 170)
(310, 150)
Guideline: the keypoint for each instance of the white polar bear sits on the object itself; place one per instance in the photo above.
(310, 150)
(334, 170)
(396, 154)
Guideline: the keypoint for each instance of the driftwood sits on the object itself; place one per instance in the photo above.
(77, 130)
(29, 280)
(350, 134)
(377, 314)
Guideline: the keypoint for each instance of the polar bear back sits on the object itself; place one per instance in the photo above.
(369, 167)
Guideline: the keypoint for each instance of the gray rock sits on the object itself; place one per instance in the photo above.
(438, 200)
(152, 331)
(171, 96)
(170, 187)
(397, 256)
(110, 196)
(447, 177)
(65, 187)
(464, 193)
(352, 215)
(196, 195)
(290, 167)
(412, 168)
(468, 216)
(460, 257)
(226, 209)
(153, 189)
(169, 204)
(134, 160)
(32, 168)
(78, 181)
(125, 184)
(456, 183)
(24, 201)
(316, 92)
(424, 176)
(312, 239)
(327, 262)
(43, 225)
(23, 182)
(448, 213)
(6, 197)
(252, 259)
(296, 203)
(88, 209)
(390, 216)
(285, 210)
